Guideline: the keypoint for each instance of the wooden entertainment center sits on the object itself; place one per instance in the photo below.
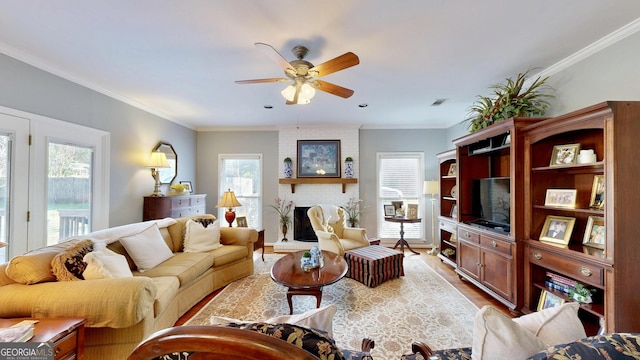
(511, 262)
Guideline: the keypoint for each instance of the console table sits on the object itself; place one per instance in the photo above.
(160, 207)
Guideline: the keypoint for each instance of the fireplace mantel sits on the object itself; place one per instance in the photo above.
(294, 181)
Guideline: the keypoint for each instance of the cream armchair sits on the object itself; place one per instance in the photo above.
(328, 223)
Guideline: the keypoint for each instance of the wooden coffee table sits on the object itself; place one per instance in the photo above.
(288, 272)
(66, 334)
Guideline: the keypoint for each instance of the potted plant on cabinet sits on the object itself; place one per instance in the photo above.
(288, 171)
(509, 100)
(348, 167)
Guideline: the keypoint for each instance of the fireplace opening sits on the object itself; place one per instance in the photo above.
(302, 230)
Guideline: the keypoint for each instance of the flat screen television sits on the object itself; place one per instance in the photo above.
(491, 203)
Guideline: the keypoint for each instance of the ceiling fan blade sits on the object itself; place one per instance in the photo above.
(275, 56)
(342, 62)
(332, 88)
(256, 81)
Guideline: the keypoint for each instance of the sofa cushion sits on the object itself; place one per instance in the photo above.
(35, 266)
(147, 248)
(200, 238)
(228, 254)
(185, 266)
(313, 341)
(167, 290)
(69, 265)
(103, 263)
(320, 319)
(554, 325)
(496, 336)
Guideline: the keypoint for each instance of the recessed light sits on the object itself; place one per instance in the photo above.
(439, 102)
(268, 107)
(363, 105)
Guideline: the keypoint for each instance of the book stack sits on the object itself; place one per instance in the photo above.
(559, 283)
(14, 333)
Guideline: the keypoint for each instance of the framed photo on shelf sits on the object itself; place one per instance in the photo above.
(389, 210)
(241, 221)
(454, 211)
(549, 300)
(453, 169)
(188, 186)
(561, 198)
(412, 211)
(565, 155)
(557, 229)
(319, 158)
(594, 235)
(597, 193)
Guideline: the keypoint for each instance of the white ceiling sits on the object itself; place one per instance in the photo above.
(179, 59)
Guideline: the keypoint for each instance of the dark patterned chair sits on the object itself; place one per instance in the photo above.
(245, 341)
(616, 346)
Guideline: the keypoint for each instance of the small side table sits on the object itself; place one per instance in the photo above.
(260, 242)
(402, 242)
(67, 335)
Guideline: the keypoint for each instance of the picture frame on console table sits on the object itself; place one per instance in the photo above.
(389, 210)
(188, 186)
(241, 221)
(318, 158)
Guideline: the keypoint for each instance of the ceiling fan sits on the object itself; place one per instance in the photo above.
(304, 75)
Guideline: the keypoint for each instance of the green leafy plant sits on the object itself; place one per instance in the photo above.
(581, 293)
(287, 159)
(353, 210)
(306, 254)
(348, 158)
(509, 100)
(283, 208)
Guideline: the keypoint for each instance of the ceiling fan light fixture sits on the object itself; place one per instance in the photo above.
(307, 92)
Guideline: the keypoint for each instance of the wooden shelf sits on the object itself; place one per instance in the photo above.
(294, 181)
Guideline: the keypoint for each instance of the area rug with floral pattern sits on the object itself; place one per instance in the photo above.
(420, 306)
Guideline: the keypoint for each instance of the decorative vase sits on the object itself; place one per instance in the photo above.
(348, 169)
(284, 232)
(287, 169)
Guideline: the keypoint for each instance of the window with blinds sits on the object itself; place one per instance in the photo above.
(400, 178)
(242, 173)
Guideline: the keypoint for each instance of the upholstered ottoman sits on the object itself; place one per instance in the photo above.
(373, 265)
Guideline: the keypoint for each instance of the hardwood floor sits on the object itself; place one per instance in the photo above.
(475, 295)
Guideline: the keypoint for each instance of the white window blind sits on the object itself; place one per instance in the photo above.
(400, 178)
(242, 173)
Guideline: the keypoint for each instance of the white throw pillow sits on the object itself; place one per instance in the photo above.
(147, 248)
(103, 263)
(321, 319)
(198, 238)
(556, 325)
(497, 337)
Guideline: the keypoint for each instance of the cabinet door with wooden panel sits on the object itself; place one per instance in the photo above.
(159, 207)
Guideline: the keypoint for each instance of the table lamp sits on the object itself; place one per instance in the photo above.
(158, 160)
(229, 201)
(431, 188)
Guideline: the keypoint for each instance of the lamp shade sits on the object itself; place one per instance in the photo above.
(430, 187)
(307, 92)
(158, 160)
(228, 200)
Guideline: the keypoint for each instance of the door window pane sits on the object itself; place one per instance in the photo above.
(69, 191)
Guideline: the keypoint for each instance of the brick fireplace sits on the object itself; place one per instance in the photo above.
(307, 195)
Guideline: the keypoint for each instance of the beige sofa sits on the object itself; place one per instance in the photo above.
(122, 312)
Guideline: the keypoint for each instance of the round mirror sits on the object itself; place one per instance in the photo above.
(167, 175)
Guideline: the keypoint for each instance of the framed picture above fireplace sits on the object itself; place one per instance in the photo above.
(319, 158)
